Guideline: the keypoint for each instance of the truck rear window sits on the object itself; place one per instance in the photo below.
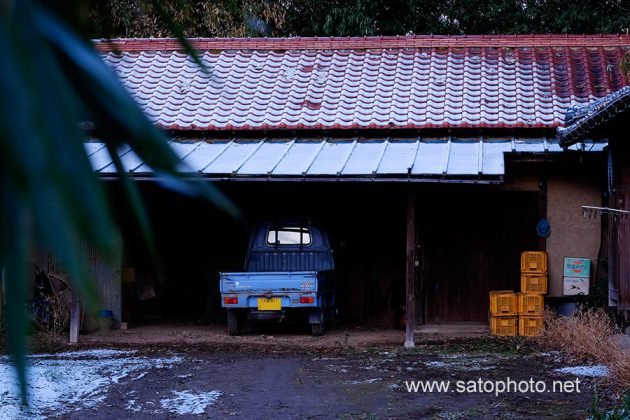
(289, 236)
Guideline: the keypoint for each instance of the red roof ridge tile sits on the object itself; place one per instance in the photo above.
(358, 43)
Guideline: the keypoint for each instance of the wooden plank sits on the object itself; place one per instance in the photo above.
(75, 318)
(472, 245)
(411, 278)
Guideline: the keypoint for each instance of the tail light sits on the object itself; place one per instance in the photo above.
(306, 299)
(230, 300)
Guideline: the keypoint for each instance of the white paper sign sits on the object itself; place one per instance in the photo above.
(575, 286)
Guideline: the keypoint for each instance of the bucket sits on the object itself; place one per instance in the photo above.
(106, 313)
(566, 309)
(105, 320)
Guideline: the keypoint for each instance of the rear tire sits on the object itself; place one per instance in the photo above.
(335, 321)
(232, 321)
(318, 328)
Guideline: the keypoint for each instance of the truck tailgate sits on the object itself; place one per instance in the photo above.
(297, 281)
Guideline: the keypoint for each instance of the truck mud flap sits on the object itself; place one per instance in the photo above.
(315, 316)
(317, 321)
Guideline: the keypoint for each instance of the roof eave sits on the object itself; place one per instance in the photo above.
(596, 118)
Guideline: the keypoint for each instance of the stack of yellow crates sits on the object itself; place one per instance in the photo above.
(531, 301)
(503, 312)
(522, 313)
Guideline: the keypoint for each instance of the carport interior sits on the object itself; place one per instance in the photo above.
(195, 241)
(469, 240)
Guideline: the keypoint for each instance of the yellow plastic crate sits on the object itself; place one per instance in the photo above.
(534, 283)
(533, 262)
(530, 304)
(531, 326)
(503, 302)
(503, 325)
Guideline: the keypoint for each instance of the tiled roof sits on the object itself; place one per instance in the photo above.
(381, 82)
(583, 122)
(354, 158)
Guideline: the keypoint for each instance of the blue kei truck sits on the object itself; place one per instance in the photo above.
(289, 272)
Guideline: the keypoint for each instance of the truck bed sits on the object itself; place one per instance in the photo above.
(264, 282)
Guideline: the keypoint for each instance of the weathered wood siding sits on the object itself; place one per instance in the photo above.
(107, 277)
(471, 240)
(619, 266)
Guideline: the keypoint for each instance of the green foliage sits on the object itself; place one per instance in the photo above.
(128, 18)
(235, 18)
(597, 297)
(493, 345)
(621, 412)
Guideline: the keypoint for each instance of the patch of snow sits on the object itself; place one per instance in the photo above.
(69, 381)
(132, 406)
(549, 353)
(367, 381)
(597, 371)
(455, 356)
(188, 402)
(468, 362)
(394, 387)
(340, 368)
(436, 364)
(188, 375)
(84, 354)
(142, 375)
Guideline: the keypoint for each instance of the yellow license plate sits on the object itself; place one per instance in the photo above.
(272, 304)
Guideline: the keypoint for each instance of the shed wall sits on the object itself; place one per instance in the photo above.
(106, 277)
(572, 235)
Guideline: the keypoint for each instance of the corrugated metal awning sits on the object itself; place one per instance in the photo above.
(351, 159)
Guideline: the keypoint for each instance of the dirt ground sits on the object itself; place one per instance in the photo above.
(286, 335)
(350, 373)
(255, 383)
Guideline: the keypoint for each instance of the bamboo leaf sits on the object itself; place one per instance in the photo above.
(137, 206)
(15, 248)
(49, 193)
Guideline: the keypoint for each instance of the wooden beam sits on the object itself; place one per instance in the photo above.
(411, 278)
(75, 318)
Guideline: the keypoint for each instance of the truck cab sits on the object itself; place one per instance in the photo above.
(289, 272)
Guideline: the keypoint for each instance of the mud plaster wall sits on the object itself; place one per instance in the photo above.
(572, 235)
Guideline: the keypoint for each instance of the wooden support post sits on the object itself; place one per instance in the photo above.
(411, 268)
(75, 318)
(1, 297)
(542, 207)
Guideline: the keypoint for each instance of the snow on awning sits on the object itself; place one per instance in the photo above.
(444, 159)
